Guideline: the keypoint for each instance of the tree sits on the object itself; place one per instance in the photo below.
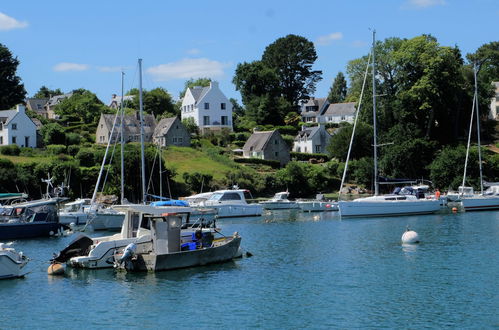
(53, 133)
(11, 87)
(45, 93)
(292, 58)
(82, 107)
(203, 82)
(157, 102)
(338, 91)
(338, 145)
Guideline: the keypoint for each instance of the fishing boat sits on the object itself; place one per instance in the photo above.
(382, 205)
(280, 201)
(11, 262)
(38, 218)
(232, 203)
(167, 250)
(485, 200)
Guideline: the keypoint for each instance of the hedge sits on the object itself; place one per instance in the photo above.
(272, 163)
(306, 157)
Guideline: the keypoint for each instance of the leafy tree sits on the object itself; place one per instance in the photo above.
(338, 146)
(190, 125)
(203, 82)
(8, 174)
(44, 93)
(292, 58)
(11, 87)
(82, 107)
(157, 102)
(53, 133)
(338, 91)
(198, 181)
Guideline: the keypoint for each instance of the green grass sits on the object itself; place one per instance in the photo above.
(189, 160)
(24, 159)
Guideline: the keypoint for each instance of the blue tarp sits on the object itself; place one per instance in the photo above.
(171, 202)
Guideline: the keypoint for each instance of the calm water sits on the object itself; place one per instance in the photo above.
(308, 271)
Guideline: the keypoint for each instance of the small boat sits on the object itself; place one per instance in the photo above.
(280, 201)
(82, 212)
(98, 252)
(11, 262)
(38, 218)
(317, 205)
(489, 200)
(230, 203)
(166, 251)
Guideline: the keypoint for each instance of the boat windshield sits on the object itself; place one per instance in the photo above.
(229, 196)
(72, 208)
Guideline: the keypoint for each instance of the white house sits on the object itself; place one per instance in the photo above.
(210, 109)
(319, 110)
(312, 140)
(17, 128)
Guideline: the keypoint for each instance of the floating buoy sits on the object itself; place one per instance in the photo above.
(410, 237)
(51, 233)
(56, 269)
(454, 209)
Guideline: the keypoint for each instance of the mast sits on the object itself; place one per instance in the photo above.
(160, 169)
(376, 183)
(141, 108)
(122, 140)
(475, 72)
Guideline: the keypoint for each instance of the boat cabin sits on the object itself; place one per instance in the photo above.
(228, 197)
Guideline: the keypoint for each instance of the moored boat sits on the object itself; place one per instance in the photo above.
(11, 262)
(280, 201)
(231, 203)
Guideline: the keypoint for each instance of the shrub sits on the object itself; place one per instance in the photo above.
(73, 150)
(10, 150)
(27, 152)
(305, 157)
(56, 149)
(272, 163)
(73, 138)
(86, 157)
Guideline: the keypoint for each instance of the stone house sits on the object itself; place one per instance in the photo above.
(319, 110)
(37, 106)
(267, 145)
(171, 131)
(17, 128)
(131, 128)
(210, 109)
(312, 140)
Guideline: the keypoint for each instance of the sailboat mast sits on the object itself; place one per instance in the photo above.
(122, 141)
(141, 108)
(376, 183)
(475, 72)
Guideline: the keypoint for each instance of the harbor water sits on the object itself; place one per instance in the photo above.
(308, 270)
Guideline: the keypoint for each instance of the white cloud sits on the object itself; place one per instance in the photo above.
(10, 23)
(193, 51)
(327, 39)
(64, 66)
(425, 3)
(187, 68)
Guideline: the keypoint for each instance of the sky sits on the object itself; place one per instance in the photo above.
(86, 44)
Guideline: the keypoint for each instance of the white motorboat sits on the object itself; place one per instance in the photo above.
(317, 205)
(383, 205)
(167, 250)
(11, 262)
(98, 252)
(82, 212)
(232, 203)
(280, 201)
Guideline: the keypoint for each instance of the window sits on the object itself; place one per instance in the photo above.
(1, 139)
(14, 126)
(39, 106)
(343, 118)
(318, 149)
(206, 106)
(276, 154)
(225, 120)
(14, 140)
(180, 140)
(222, 106)
(276, 141)
(206, 120)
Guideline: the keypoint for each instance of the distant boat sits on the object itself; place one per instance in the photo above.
(167, 250)
(280, 201)
(11, 262)
(383, 205)
(82, 212)
(38, 218)
(230, 203)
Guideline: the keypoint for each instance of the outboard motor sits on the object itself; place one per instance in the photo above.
(127, 253)
(80, 246)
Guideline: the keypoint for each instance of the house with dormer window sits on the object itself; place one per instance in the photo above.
(17, 128)
(131, 128)
(319, 110)
(267, 145)
(312, 140)
(210, 109)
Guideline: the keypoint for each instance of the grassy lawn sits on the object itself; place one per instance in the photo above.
(192, 160)
(24, 159)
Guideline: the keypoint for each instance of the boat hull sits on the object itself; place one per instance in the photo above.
(316, 206)
(481, 203)
(387, 208)
(11, 264)
(237, 211)
(184, 259)
(21, 230)
(280, 205)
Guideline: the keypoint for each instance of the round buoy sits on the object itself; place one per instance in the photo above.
(51, 233)
(410, 237)
(55, 269)
(454, 209)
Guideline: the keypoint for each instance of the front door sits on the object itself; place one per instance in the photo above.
(26, 141)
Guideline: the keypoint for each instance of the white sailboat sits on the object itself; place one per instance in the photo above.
(382, 205)
(489, 199)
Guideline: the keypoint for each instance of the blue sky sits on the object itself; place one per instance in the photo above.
(85, 44)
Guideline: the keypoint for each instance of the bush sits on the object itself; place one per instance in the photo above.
(287, 130)
(73, 138)
(306, 157)
(56, 149)
(10, 150)
(271, 163)
(73, 150)
(86, 157)
(27, 152)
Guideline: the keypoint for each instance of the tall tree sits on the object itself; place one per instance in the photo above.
(292, 57)
(83, 107)
(338, 91)
(44, 92)
(11, 87)
(157, 102)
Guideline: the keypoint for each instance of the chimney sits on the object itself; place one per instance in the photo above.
(302, 127)
(20, 108)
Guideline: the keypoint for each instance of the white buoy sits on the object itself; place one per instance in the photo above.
(410, 237)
